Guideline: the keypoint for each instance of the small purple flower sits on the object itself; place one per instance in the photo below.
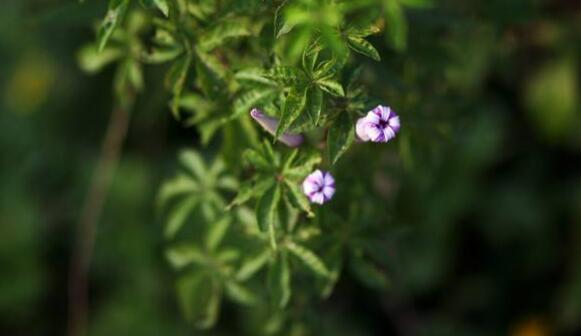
(379, 125)
(270, 124)
(319, 186)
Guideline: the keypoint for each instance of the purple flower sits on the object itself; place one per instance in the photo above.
(270, 124)
(319, 186)
(379, 125)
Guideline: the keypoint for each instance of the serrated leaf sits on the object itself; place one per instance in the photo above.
(315, 103)
(293, 106)
(115, 13)
(332, 87)
(183, 255)
(279, 280)
(252, 265)
(216, 232)
(363, 47)
(240, 294)
(308, 257)
(396, 24)
(341, 136)
(200, 297)
(178, 216)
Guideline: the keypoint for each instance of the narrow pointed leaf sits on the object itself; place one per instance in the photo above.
(363, 47)
(279, 281)
(309, 258)
(332, 87)
(341, 136)
(315, 104)
(115, 13)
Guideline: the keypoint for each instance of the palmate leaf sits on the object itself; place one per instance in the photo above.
(293, 106)
(194, 163)
(115, 13)
(363, 47)
(341, 136)
(279, 281)
(247, 100)
(179, 185)
(308, 257)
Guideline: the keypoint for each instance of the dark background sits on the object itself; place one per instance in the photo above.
(491, 204)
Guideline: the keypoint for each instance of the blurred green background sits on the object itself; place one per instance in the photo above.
(492, 210)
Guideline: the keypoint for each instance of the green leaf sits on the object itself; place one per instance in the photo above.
(92, 61)
(162, 5)
(267, 212)
(175, 80)
(396, 24)
(278, 281)
(363, 47)
(194, 162)
(252, 265)
(183, 255)
(240, 294)
(308, 257)
(159, 55)
(293, 106)
(287, 75)
(257, 160)
(249, 99)
(116, 11)
(332, 87)
(223, 32)
(315, 103)
(254, 75)
(200, 296)
(363, 31)
(178, 216)
(178, 185)
(216, 232)
(298, 198)
(340, 137)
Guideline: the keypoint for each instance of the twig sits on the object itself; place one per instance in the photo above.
(90, 215)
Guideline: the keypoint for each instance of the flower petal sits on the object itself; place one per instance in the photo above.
(318, 198)
(385, 112)
(328, 180)
(328, 192)
(361, 129)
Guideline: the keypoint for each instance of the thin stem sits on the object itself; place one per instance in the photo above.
(91, 212)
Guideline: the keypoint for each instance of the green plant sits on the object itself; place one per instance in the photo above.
(243, 222)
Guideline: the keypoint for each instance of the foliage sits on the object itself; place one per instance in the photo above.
(476, 200)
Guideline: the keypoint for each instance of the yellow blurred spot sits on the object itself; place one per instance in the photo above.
(29, 84)
(530, 327)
